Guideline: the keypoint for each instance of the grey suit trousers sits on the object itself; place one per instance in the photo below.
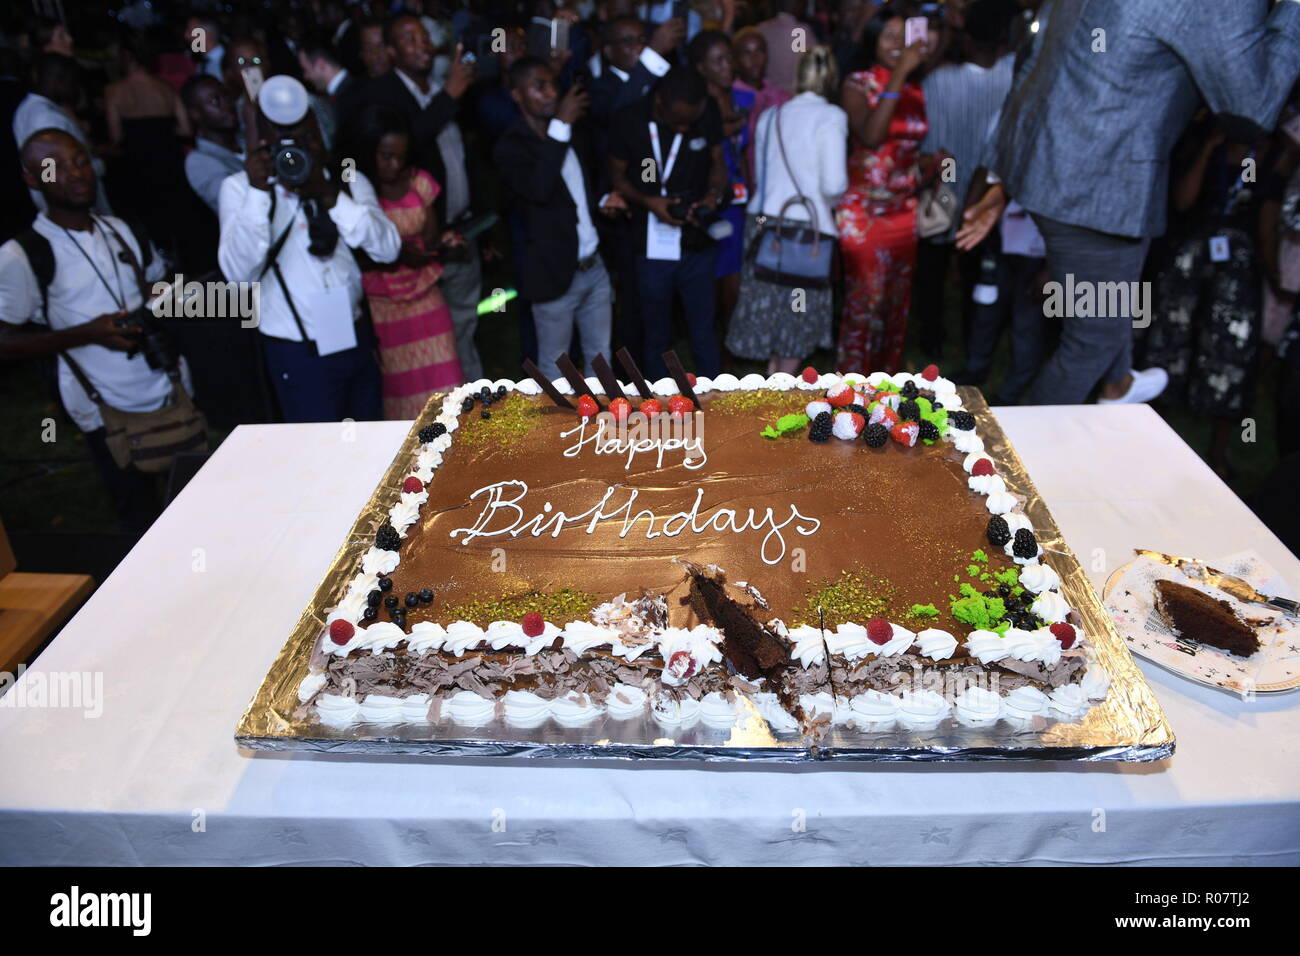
(1091, 350)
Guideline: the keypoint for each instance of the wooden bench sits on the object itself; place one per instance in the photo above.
(33, 606)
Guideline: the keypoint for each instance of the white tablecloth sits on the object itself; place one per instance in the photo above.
(187, 626)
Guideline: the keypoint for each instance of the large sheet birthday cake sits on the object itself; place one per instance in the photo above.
(827, 550)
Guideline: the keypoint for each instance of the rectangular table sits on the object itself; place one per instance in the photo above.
(184, 630)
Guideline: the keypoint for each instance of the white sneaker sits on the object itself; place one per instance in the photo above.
(1146, 385)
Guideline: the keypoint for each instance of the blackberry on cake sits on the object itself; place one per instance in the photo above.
(962, 421)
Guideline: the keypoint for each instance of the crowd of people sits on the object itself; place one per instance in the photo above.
(768, 180)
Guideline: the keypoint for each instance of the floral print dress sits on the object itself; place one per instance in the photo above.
(877, 225)
(1208, 314)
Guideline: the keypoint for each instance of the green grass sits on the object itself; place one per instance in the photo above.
(45, 486)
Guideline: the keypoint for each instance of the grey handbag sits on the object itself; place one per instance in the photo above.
(792, 252)
(936, 209)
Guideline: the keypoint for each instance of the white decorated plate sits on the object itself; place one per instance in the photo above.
(1274, 668)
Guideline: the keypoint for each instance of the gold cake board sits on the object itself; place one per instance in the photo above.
(1128, 726)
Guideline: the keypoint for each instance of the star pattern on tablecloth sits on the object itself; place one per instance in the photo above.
(412, 835)
(1067, 830)
(1195, 827)
(674, 835)
(175, 839)
(68, 762)
(291, 835)
(34, 725)
(542, 837)
(937, 835)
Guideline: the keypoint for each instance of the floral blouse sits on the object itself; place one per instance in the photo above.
(889, 173)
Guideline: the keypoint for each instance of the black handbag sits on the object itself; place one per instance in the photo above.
(792, 252)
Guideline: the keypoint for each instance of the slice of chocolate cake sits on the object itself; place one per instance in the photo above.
(1195, 616)
(753, 650)
(749, 645)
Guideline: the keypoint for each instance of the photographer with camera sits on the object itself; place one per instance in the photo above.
(665, 157)
(288, 223)
(74, 286)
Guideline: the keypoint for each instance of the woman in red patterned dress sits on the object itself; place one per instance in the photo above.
(417, 341)
(877, 216)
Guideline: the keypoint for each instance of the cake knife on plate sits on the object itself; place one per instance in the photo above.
(1227, 583)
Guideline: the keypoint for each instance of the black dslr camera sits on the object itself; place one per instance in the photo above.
(708, 221)
(155, 344)
(291, 161)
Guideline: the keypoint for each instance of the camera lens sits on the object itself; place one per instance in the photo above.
(292, 164)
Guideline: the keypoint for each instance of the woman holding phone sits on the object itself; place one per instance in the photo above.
(417, 341)
(877, 216)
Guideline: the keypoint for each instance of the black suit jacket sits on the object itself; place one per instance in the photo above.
(530, 165)
(389, 90)
(348, 99)
(609, 94)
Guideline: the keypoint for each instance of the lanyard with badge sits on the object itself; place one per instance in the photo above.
(662, 241)
(1220, 250)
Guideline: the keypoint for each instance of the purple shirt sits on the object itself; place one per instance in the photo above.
(781, 59)
(768, 96)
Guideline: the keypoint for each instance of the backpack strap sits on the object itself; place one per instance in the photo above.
(40, 256)
(141, 240)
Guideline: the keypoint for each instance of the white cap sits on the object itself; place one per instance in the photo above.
(283, 99)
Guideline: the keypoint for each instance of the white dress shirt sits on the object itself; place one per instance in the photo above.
(211, 62)
(76, 296)
(247, 233)
(207, 166)
(814, 133)
(451, 144)
(571, 173)
(651, 60)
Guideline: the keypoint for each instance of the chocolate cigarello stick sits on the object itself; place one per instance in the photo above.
(575, 377)
(606, 376)
(553, 393)
(679, 376)
(629, 365)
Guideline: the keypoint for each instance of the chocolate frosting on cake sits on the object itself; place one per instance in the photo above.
(904, 514)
